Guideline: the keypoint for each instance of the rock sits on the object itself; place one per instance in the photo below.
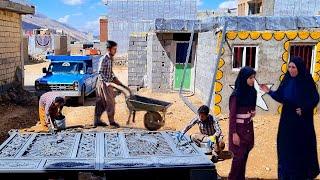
(268, 169)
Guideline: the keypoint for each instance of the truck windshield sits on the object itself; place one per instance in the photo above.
(65, 67)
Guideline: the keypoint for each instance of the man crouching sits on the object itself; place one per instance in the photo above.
(50, 107)
(210, 132)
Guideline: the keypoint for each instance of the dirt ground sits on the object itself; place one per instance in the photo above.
(262, 162)
(16, 117)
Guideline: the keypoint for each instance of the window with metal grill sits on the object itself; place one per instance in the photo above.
(306, 52)
(254, 7)
(244, 56)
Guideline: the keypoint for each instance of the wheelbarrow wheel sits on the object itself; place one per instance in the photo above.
(153, 121)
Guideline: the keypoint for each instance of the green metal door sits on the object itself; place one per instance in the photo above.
(181, 55)
(179, 75)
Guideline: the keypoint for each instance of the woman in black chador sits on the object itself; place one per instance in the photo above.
(296, 141)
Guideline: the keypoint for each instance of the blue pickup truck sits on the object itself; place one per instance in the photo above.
(72, 76)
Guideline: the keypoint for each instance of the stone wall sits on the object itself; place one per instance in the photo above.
(10, 51)
(137, 60)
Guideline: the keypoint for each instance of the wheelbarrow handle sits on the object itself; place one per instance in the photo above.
(122, 88)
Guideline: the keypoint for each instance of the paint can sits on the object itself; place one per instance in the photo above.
(205, 148)
(60, 122)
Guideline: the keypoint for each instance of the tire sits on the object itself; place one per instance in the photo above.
(82, 97)
(153, 121)
(225, 155)
(93, 94)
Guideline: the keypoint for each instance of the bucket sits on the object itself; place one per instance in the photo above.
(205, 148)
(60, 122)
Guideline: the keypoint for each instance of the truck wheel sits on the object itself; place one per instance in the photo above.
(153, 121)
(81, 98)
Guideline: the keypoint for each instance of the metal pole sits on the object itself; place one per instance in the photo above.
(184, 99)
(215, 65)
(187, 60)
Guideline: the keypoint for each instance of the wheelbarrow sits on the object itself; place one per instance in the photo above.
(153, 120)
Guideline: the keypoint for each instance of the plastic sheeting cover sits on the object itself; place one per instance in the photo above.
(243, 23)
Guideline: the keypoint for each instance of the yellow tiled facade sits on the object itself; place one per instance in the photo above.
(283, 37)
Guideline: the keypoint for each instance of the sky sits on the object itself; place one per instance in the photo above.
(84, 14)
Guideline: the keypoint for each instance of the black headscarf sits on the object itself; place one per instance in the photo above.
(302, 71)
(303, 78)
(246, 95)
(302, 83)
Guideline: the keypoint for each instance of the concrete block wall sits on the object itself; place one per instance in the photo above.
(137, 60)
(150, 40)
(160, 66)
(10, 50)
(206, 55)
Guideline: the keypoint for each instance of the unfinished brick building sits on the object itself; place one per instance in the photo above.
(11, 42)
(278, 7)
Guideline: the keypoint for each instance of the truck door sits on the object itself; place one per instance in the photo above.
(90, 82)
(86, 78)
